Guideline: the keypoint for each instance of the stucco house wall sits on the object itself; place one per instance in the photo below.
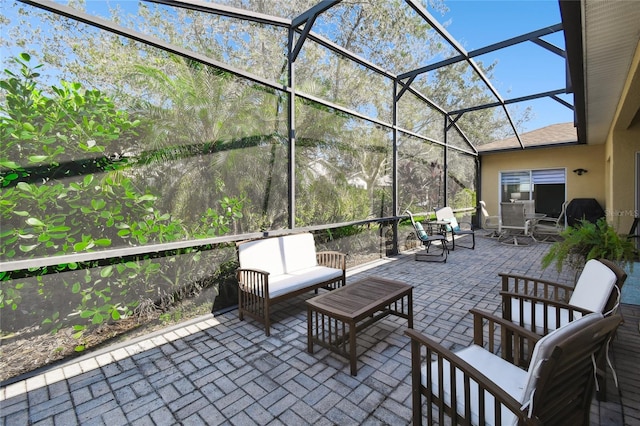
(613, 169)
(588, 185)
(622, 150)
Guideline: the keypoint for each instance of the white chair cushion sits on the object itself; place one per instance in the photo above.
(265, 255)
(504, 374)
(286, 283)
(544, 348)
(592, 291)
(444, 213)
(593, 287)
(279, 255)
(299, 252)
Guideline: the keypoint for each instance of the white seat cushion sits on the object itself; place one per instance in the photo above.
(504, 374)
(286, 283)
(299, 252)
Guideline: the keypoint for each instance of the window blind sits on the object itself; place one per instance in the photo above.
(548, 176)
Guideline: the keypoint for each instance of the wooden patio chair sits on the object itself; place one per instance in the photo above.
(475, 386)
(542, 306)
(445, 214)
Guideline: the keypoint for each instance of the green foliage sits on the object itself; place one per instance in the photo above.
(588, 241)
(182, 110)
(44, 134)
(463, 199)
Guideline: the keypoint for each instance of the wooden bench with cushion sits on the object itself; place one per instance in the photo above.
(279, 268)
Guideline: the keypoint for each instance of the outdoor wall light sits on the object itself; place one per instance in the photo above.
(580, 172)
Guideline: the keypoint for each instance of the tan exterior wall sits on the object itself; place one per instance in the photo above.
(611, 179)
(589, 185)
(621, 204)
(622, 146)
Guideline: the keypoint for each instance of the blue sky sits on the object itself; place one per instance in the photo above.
(522, 69)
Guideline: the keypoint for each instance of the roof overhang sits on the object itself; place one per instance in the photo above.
(601, 40)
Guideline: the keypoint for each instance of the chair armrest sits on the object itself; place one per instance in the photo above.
(508, 297)
(253, 281)
(332, 259)
(424, 352)
(493, 332)
(536, 287)
(547, 221)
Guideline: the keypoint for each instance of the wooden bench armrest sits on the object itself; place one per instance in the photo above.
(425, 351)
(332, 259)
(537, 287)
(253, 281)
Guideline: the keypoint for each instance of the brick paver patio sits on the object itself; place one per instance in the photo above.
(221, 371)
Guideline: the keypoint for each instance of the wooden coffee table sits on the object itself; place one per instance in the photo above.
(334, 318)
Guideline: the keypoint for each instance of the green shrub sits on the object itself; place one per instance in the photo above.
(588, 241)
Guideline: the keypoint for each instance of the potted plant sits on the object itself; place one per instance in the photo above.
(588, 240)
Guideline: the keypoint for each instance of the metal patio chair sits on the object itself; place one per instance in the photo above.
(548, 227)
(445, 214)
(513, 222)
(489, 222)
(427, 240)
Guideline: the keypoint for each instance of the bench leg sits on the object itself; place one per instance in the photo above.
(267, 320)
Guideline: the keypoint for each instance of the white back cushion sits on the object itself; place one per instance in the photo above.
(279, 255)
(544, 348)
(299, 252)
(265, 255)
(444, 213)
(593, 287)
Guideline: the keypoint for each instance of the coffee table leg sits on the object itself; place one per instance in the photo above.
(352, 348)
(410, 310)
(309, 331)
